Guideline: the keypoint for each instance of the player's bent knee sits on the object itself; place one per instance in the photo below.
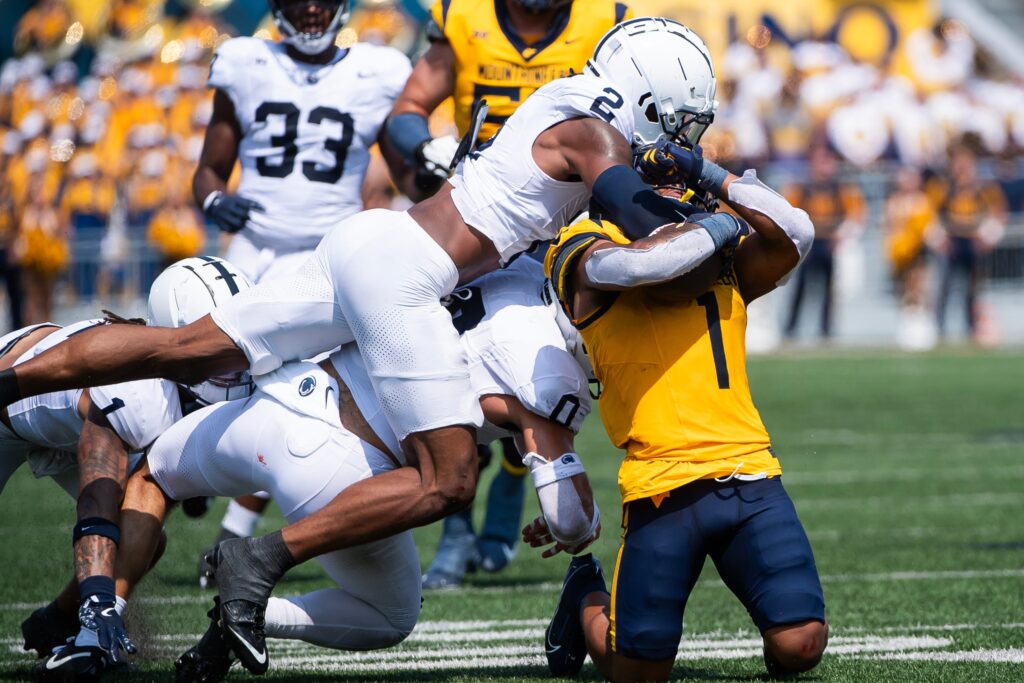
(797, 648)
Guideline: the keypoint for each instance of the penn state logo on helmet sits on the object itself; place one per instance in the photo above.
(186, 291)
(664, 69)
(310, 26)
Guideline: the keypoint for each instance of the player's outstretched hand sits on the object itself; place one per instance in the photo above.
(102, 617)
(668, 163)
(436, 155)
(230, 212)
(537, 535)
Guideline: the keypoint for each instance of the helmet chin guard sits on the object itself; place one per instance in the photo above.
(664, 69)
(186, 291)
(304, 42)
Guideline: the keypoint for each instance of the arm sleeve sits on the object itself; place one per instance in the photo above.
(664, 260)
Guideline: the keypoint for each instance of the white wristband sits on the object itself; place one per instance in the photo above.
(544, 472)
(210, 199)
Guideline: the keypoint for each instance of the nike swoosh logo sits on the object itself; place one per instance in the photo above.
(54, 663)
(551, 647)
(261, 657)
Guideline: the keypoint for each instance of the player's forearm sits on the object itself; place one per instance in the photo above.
(206, 181)
(655, 260)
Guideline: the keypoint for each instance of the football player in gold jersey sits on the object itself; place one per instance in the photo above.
(664, 319)
(500, 51)
(497, 50)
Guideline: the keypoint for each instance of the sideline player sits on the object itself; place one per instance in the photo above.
(499, 51)
(109, 427)
(288, 439)
(302, 115)
(377, 279)
(700, 477)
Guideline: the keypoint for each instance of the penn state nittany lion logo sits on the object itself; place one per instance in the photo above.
(307, 385)
(568, 460)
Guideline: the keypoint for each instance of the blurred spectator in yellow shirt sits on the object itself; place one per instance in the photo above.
(972, 213)
(176, 229)
(9, 270)
(836, 208)
(909, 217)
(42, 249)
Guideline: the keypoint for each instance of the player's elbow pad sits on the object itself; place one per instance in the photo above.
(569, 523)
(751, 193)
(632, 205)
(406, 132)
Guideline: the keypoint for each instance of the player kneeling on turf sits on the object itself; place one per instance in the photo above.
(664, 325)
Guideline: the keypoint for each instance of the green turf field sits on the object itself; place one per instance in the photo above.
(908, 473)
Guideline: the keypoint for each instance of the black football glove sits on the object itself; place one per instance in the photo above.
(230, 212)
(102, 618)
(668, 163)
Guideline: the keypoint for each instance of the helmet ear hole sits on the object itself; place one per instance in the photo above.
(651, 113)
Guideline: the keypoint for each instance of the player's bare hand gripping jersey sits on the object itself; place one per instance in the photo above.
(306, 132)
(502, 192)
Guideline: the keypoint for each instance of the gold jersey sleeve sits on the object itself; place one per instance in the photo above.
(676, 395)
(493, 62)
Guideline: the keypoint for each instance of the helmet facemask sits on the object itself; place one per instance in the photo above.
(309, 32)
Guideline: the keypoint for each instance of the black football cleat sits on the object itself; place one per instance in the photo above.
(82, 663)
(209, 660)
(241, 613)
(48, 628)
(564, 643)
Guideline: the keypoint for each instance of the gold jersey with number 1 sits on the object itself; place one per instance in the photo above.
(676, 396)
(495, 63)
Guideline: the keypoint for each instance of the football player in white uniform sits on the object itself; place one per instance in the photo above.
(377, 279)
(110, 427)
(312, 430)
(301, 115)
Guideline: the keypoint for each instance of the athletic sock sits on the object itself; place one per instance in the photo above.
(239, 520)
(261, 561)
(9, 391)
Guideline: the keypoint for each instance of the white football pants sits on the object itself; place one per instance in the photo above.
(257, 444)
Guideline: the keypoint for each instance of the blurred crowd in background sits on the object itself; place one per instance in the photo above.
(102, 122)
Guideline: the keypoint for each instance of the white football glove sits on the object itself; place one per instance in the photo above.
(436, 155)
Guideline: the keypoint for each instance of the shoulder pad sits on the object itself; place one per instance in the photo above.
(569, 245)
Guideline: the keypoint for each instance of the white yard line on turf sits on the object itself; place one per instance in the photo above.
(551, 586)
(1011, 655)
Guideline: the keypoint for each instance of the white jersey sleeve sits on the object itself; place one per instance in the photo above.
(229, 70)
(514, 347)
(501, 191)
(139, 411)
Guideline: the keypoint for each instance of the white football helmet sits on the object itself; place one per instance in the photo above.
(573, 339)
(185, 292)
(664, 70)
(310, 42)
